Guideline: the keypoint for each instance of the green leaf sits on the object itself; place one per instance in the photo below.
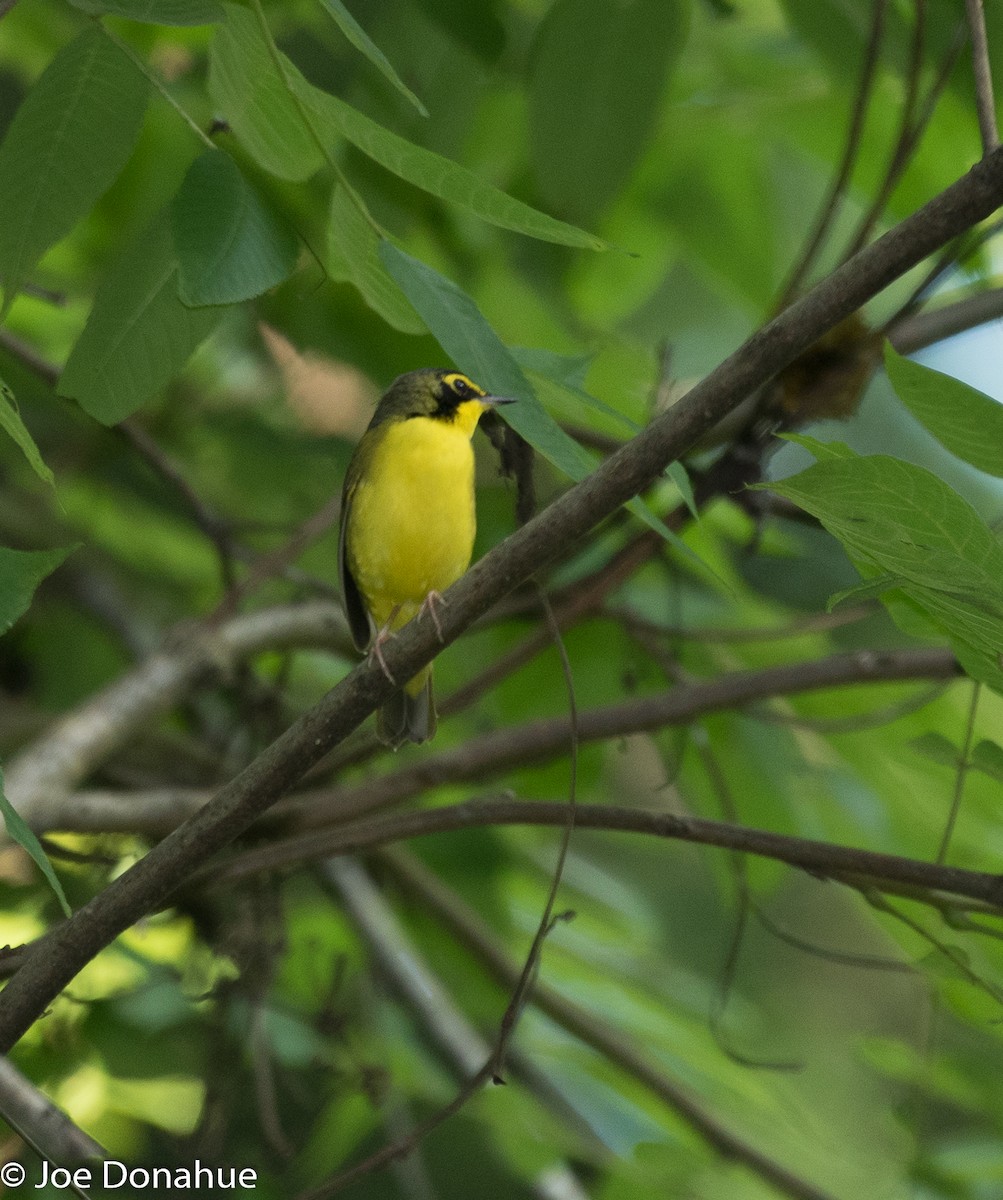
(139, 334)
(19, 832)
(250, 88)
(67, 143)
(353, 248)
(988, 758)
(568, 370)
(900, 520)
(361, 40)
(247, 88)
(477, 27)
(870, 589)
(598, 74)
(965, 421)
(10, 420)
(460, 328)
(938, 749)
(432, 172)
(681, 478)
(230, 245)
(157, 12)
(21, 571)
(819, 449)
(540, 365)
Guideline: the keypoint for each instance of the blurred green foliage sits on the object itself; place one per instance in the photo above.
(230, 226)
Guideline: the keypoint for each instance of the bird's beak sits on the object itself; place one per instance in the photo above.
(494, 401)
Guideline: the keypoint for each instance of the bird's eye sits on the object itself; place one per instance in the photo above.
(461, 387)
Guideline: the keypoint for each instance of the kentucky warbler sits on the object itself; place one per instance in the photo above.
(407, 523)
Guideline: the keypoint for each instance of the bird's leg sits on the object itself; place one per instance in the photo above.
(428, 606)
(383, 634)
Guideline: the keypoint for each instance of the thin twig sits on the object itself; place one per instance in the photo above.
(55, 762)
(956, 957)
(216, 528)
(856, 867)
(277, 561)
(985, 99)
(548, 919)
(837, 188)
(917, 330)
(637, 1061)
(910, 133)
(714, 634)
(961, 774)
(400, 961)
(842, 958)
(540, 741)
(49, 295)
(854, 722)
(38, 777)
(739, 869)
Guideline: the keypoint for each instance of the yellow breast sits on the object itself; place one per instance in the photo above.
(412, 521)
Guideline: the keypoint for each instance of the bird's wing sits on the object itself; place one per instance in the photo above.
(355, 607)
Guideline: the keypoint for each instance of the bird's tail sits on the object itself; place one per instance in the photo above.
(409, 715)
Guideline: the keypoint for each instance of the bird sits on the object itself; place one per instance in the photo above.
(407, 524)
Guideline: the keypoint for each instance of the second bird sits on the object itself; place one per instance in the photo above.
(408, 523)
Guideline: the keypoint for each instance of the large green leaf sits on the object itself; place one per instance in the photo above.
(965, 421)
(66, 145)
(10, 421)
(20, 833)
(597, 76)
(251, 90)
(139, 333)
(21, 571)
(229, 243)
(900, 521)
(461, 330)
(248, 90)
(158, 12)
(432, 172)
(361, 40)
(554, 372)
(354, 248)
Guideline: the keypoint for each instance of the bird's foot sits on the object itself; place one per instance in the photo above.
(383, 635)
(428, 606)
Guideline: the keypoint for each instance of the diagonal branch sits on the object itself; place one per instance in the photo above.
(57, 958)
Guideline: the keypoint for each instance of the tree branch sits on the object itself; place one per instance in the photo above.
(158, 810)
(917, 330)
(59, 956)
(541, 741)
(847, 863)
(46, 1128)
